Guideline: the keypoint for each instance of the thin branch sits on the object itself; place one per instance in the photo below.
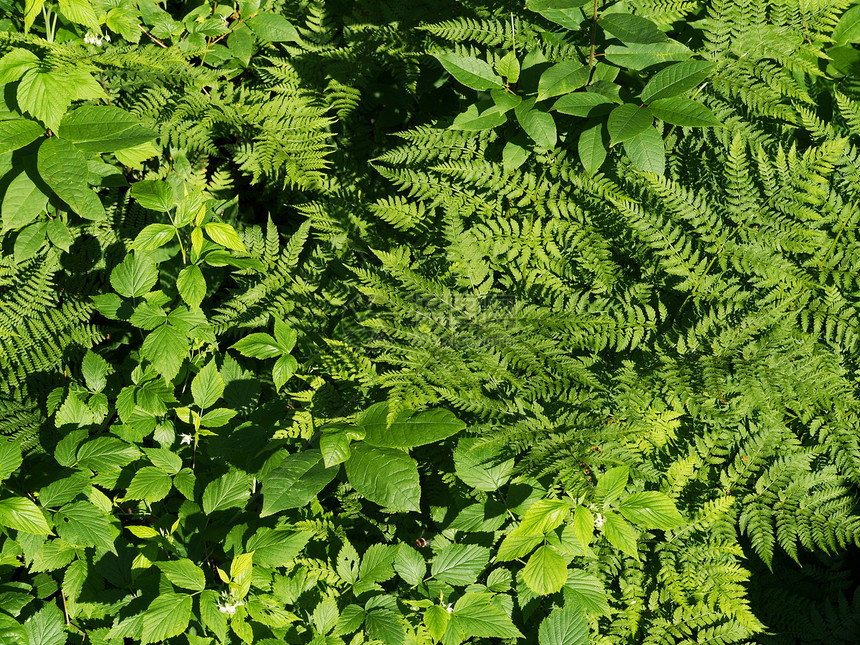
(153, 38)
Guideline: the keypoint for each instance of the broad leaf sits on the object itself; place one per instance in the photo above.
(646, 151)
(632, 29)
(612, 483)
(103, 128)
(564, 626)
(436, 620)
(545, 572)
(154, 195)
(64, 169)
(407, 429)
(682, 111)
(106, 453)
(483, 467)
(207, 386)
(259, 345)
(544, 516)
(191, 285)
(273, 28)
(460, 564)
(21, 514)
(83, 524)
(23, 202)
(225, 235)
(581, 103)
(638, 56)
(620, 534)
(475, 615)
(676, 79)
(295, 482)
(184, 573)
(154, 236)
(410, 565)
(134, 276)
(232, 490)
(593, 147)
(651, 510)
(385, 476)
(165, 347)
(626, 121)
(562, 78)
(471, 72)
(17, 133)
(30, 239)
(94, 370)
(537, 124)
(166, 617)
(150, 484)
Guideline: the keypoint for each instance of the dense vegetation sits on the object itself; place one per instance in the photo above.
(414, 322)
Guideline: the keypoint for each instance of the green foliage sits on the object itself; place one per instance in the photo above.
(439, 322)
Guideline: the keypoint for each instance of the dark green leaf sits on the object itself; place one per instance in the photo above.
(134, 276)
(564, 626)
(626, 121)
(646, 151)
(295, 482)
(684, 112)
(471, 72)
(228, 491)
(385, 476)
(651, 510)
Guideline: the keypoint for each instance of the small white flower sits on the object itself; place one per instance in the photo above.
(449, 607)
(107, 38)
(186, 439)
(228, 605)
(599, 521)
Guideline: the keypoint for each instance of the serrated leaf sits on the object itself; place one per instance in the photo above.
(45, 627)
(153, 237)
(385, 476)
(207, 386)
(184, 573)
(167, 616)
(350, 620)
(10, 457)
(562, 78)
(471, 72)
(64, 168)
(476, 615)
(106, 453)
(651, 510)
(18, 132)
(191, 285)
(259, 345)
(150, 484)
(410, 565)
(134, 276)
(483, 467)
(45, 95)
(646, 151)
(626, 121)
(460, 564)
(277, 547)
(152, 194)
(142, 532)
(611, 484)
(23, 202)
(564, 626)
(544, 516)
(509, 67)
(217, 417)
(283, 370)
(214, 619)
(545, 572)
(165, 347)
(83, 524)
(517, 545)
(232, 490)
(684, 112)
(436, 620)
(620, 534)
(377, 563)
(94, 369)
(583, 525)
(225, 235)
(164, 459)
(21, 514)
(103, 128)
(295, 482)
(586, 591)
(676, 79)
(15, 63)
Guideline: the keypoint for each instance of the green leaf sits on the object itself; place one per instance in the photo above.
(106, 453)
(191, 285)
(562, 12)
(676, 79)
(277, 547)
(232, 490)
(184, 481)
(65, 170)
(377, 563)
(134, 276)
(564, 626)
(15, 63)
(620, 534)
(45, 627)
(10, 458)
(514, 155)
(11, 631)
(436, 620)
(165, 347)
(473, 121)
(273, 28)
(509, 67)
(471, 72)
(225, 235)
(103, 128)
(154, 195)
(283, 369)
(94, 369)
(632, 29)
(259, 345)
(537, 124)
(295, 482)
(30, 239)
(583, 525)
(82, 524)
(626, 121)
(168, 461)
(23, 202)
(684, 112)
(475, 615)
(154, 236)
(166, 617)
(44, 95)
(517, 545)
(593, 147)
(646, 151)
(543, 516)
(149, 484)
(21, 514)
(545, 572)
(335, 448)
(384, 625)
(407, 429)
(17, 133)
(80, 12)
(580, 103)
(848, 28)
(410, 565)
(586, 591)
(612, 483)
(651, 510)
(460, 564)
(638, 56)
(214, 619)
(59, 234)
(217, 417)
(350, 620)
(562, 78)
(385, 476)
(207, 386)
(183, 573)
(483, 467)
